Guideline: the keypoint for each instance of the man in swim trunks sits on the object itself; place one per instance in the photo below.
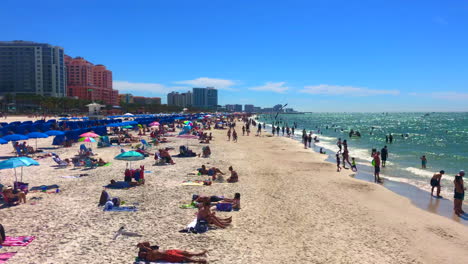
(435, 182)
(173, 255)
(384, 155)
(459, 193)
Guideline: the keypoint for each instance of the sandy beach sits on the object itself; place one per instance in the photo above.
(295, 209)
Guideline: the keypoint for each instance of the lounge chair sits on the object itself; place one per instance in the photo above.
(104, 142)
(60, 163)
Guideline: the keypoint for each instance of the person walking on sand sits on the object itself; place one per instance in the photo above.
(259, 129)
(243, 130)
(229, 134)
(338, 162)
(277, 130)
(273, 130)
(234, 136)
(339, 144)
(423, 162)
(376, 163)
(435, 183)
(384, 155)
(282, 130)
(459, 193)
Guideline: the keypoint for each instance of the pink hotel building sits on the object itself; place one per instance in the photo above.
(88, 81)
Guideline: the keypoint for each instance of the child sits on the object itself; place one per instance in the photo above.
(353, 165)
(423, 162)
(338, 167)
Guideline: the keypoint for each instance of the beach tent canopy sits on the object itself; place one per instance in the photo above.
(128, 114)
(2, 141)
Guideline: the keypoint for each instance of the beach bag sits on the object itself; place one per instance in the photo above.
(225, 207)
(201, 226)
(116, 201)
(108, 205)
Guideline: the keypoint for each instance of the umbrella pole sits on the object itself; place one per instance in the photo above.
(36, 144)
(21, 174)
(16, 179)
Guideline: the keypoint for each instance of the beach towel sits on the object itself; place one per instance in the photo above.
(122, 209)
(44, 187)
(196, 227)
(4, 257)
(119, 185)
(70, 177)
(192, 183)
(106, 165)
(188, 206)
(20, 241)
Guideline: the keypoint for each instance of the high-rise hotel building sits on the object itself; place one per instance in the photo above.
(28, 67)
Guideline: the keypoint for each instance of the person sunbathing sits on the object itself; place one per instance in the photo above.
(153, 253)
(234, 177)
(204, 213)
(101, 162)
(235, 201)
(14, 197)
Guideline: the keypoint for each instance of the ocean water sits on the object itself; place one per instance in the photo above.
(441, 137)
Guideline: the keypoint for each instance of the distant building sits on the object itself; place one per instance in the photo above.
(289, 110)
(277, 108)
(205, 97)
(126, 98)
(146, 100)
(257, 109)
(268, 110)
(28, 67)
(229, 108)
(237, 108)
(180, 99)
(88, 81)
(248, 108)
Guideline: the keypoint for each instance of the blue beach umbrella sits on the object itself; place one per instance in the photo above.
(37, 135)
(63, 118)
(15, 137)
(75, 118)
(14, 163)
(2, 141)
(55, 133)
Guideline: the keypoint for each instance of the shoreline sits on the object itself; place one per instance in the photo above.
(418, 196)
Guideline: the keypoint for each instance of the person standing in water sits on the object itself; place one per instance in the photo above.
(423, 162)
(390, 138)
(435, 183)
(339, 144)
(273, 129)
(376, 163)
(309, 139)
(277, 130)
(384, 155)
(459, 193)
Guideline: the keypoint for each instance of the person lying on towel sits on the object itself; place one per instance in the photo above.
(153, 253)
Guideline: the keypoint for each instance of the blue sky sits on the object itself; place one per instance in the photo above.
(327, 55)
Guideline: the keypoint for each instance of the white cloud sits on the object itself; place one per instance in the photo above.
(272, 87)
(210, 82)
(345, 90)
(144, 88)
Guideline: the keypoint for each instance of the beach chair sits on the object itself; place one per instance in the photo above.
(104, 142)
(60, 163)
(145, 144)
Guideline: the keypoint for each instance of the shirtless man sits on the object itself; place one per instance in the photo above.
(435, 182)
(173, 255)
(377, 167)
(19, 196)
